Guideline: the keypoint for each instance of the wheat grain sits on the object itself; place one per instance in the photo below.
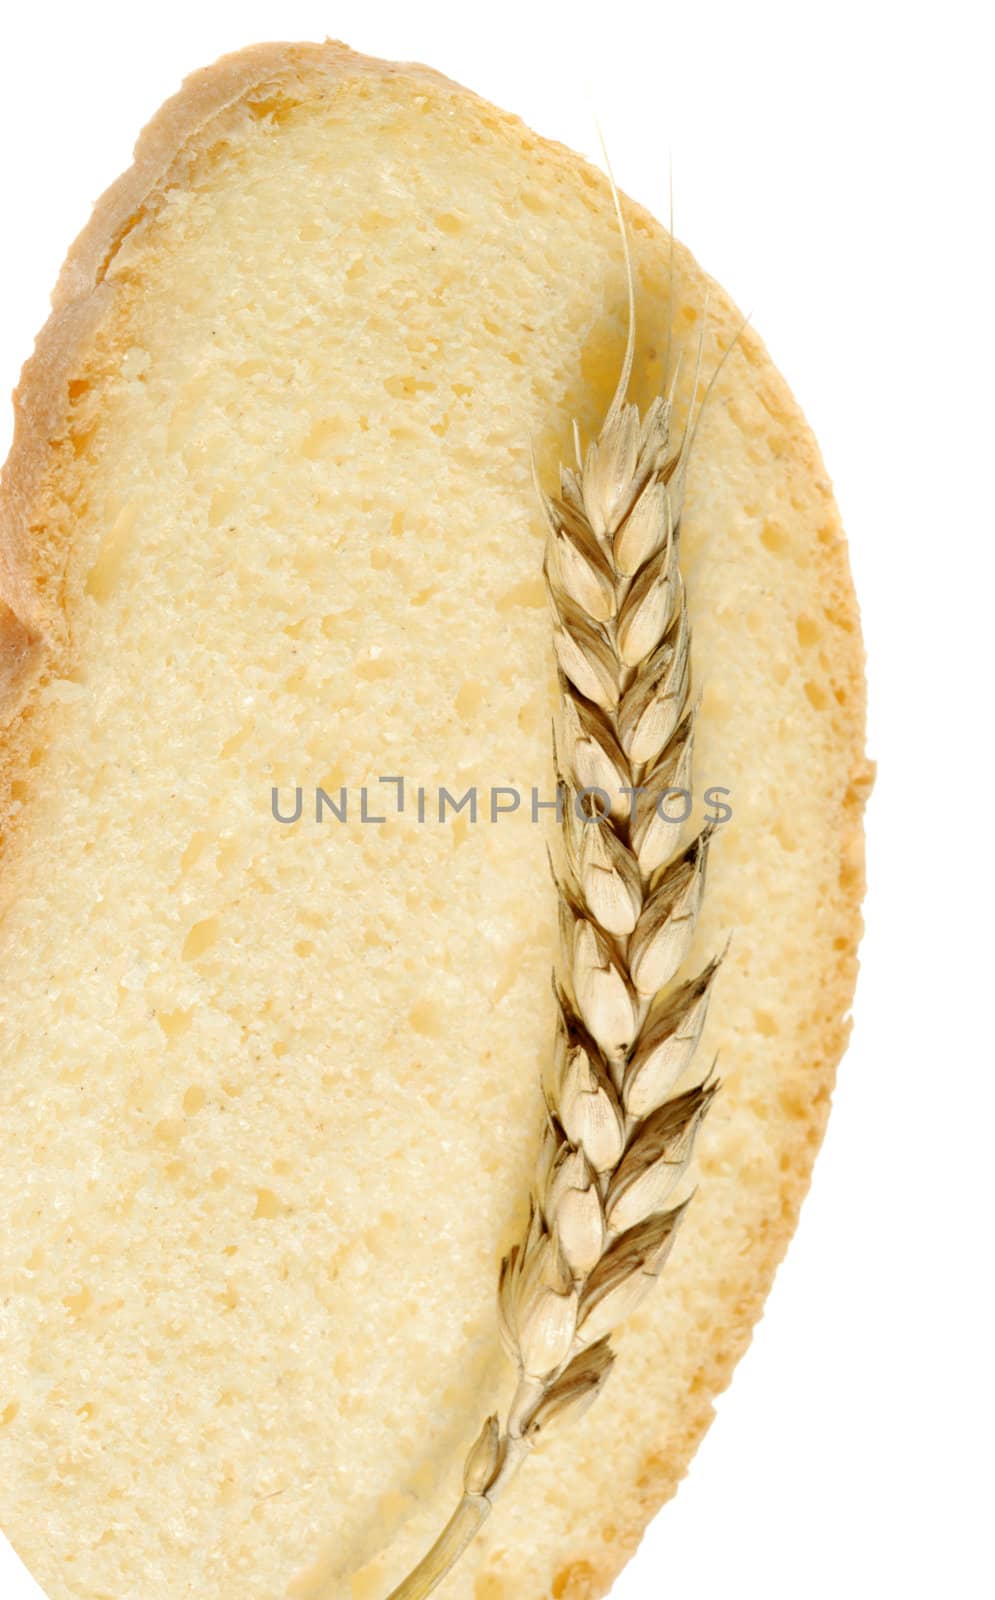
(617, 1139)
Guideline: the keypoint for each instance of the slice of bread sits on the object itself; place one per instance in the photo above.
(270, 1090)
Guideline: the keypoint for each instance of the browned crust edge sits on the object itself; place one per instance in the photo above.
(31, 627)
(82, 297)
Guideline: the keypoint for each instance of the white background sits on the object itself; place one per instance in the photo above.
(832, 168)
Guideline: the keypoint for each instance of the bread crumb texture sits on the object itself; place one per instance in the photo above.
(270, 1091)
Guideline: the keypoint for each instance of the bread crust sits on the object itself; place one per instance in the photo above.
(35, 638)
(81, 299)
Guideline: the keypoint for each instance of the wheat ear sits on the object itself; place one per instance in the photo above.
(617, 1138)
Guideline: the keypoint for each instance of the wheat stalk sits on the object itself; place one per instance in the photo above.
(617, 1138)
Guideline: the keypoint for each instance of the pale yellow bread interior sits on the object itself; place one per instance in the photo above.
(270, 1093)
